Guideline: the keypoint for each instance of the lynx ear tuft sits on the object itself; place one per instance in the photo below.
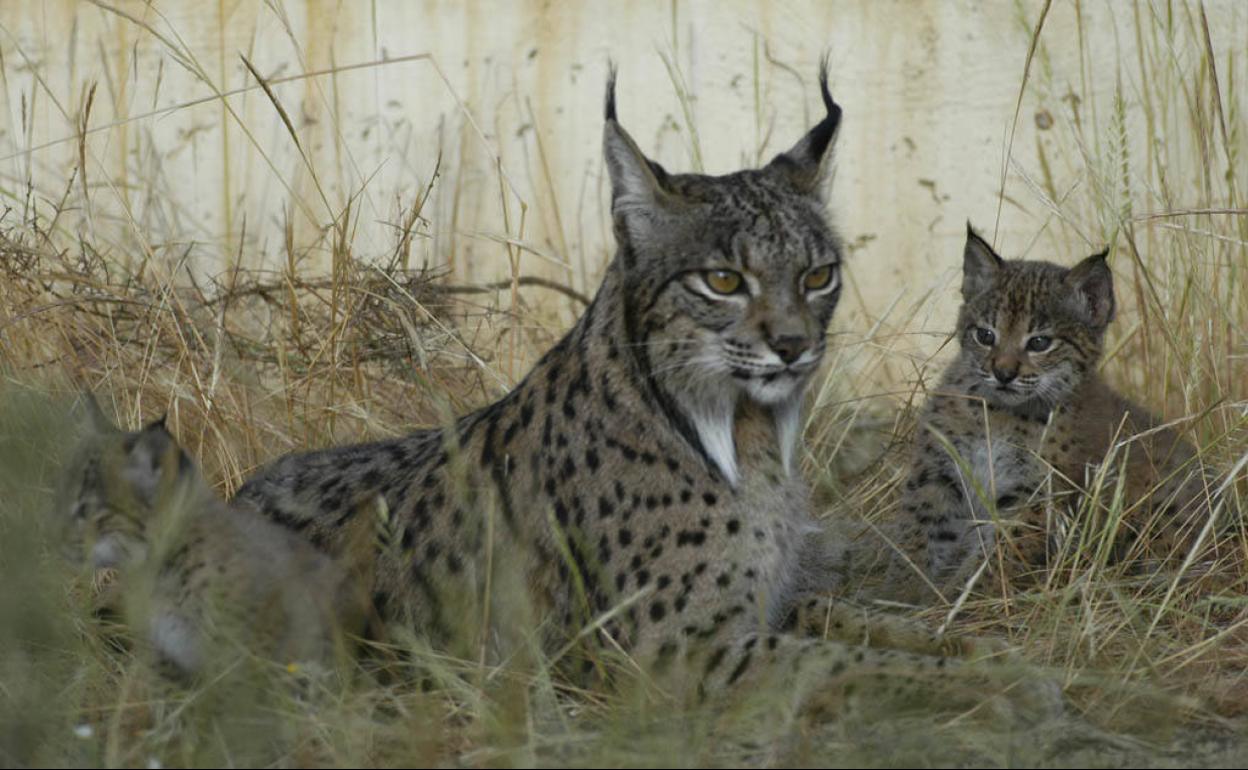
(637, 183)
(609, 111)
(803, 165)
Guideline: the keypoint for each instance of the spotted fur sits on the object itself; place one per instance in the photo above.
(644, 469)
(1021, 422)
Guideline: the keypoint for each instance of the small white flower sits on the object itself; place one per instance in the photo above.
(84, 731)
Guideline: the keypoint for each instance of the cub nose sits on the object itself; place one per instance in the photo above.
(790, 347)
(1004, 376)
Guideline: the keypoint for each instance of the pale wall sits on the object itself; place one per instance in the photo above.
(929, 89)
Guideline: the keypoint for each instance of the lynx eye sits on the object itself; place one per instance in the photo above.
(984, 336)
(723, 281)
(819, 278)
(1039, 343)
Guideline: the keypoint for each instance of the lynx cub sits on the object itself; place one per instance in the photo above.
(645, 470)
(1021, 410)
(195, 573)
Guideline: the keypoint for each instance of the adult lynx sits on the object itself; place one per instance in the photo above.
(645, 467)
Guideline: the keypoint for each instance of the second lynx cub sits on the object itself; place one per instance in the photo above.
(199, 580)
(1022, 412)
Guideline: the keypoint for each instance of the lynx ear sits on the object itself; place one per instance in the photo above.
(980, 264)
(1093, 290)
(96, 418)
(636, 181)
(804, 163)
(153, 459)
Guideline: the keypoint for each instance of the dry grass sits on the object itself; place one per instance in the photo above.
(335, 346)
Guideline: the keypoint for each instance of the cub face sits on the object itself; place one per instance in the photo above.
(1031, 331)
(117, 482)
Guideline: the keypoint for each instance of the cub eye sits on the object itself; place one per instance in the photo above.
(1039, 343)
(723, 281)
(819, 278)
(984, 336)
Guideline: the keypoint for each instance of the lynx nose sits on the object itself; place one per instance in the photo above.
(789, 347)
(1004, 376)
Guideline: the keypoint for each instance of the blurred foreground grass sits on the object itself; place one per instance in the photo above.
(251, 364)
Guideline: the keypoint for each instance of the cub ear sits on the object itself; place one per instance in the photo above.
(637, 183)
(1092, 294)
(980, 264)
(153, 459)
(803, 165)
(96, 419)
